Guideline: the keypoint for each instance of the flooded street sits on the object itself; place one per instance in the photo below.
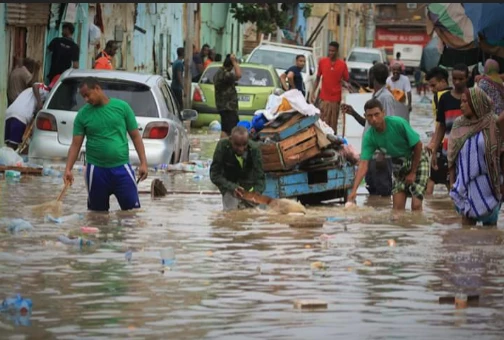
(236, 276)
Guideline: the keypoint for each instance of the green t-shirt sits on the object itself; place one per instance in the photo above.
(397, 140)
(106, 130)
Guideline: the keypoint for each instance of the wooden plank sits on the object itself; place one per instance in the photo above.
(299, 149)
(290, 128)
(300, 137)
(23, 170)
(271, 158)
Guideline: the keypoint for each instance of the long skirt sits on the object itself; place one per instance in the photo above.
(329, 113)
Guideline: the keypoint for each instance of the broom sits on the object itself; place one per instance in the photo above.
(26, 137)
(53, 207)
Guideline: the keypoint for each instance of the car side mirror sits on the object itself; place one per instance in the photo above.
(312, 71)
(189, 114)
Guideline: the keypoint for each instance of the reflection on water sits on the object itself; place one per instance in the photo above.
(237, 274)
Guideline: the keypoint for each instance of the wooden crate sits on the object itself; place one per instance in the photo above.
(297, 123)
(288, 153)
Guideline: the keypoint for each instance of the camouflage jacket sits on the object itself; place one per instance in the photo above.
(226, 97)
(227, 174)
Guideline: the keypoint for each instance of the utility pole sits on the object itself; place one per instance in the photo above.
(279, 29)
(342, 29)
(188, 53)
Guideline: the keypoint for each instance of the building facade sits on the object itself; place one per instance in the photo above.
(400, 23)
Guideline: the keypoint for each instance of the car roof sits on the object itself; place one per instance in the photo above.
(248, 65)
(365, 49)
(292, 50)
(144, 78)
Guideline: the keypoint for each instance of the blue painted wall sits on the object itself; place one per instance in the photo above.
(81, 35)
(3, 71)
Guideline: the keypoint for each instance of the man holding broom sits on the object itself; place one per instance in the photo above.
(106, 122)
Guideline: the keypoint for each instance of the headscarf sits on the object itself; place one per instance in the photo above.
(485, 121)
(492, 71)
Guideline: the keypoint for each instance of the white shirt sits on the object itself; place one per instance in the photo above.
(25, 104)
(403, 83)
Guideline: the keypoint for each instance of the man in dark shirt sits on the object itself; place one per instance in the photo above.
(65, 52)
(177, 84)
(197, 67)
(237, 168)
(294, 76)
(448, 110)
(226, 97)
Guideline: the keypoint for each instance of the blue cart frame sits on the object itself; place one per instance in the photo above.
(325, 183)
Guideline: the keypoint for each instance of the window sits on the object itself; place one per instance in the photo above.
(411, 5)
(168, 100)
(280, 60)
(250, 77)
(312, 64)
(364, 57)
(138, 96)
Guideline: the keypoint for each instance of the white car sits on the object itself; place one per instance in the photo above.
(360, 60)
(283, 56)
(150, 97)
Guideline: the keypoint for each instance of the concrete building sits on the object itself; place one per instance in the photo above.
(345, 23)
(403, 23)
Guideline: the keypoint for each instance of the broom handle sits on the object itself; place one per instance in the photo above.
(63, 191)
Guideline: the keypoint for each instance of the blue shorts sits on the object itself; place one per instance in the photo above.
(118, 181)
(14, 131)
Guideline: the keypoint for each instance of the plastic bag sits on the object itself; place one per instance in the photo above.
(94, 34)
(9, 157)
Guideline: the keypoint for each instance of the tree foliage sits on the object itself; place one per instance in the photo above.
(266, 16)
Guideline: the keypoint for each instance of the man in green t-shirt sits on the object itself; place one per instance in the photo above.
(105, 123)
(394, 137)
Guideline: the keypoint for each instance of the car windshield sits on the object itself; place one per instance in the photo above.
(138, 96)
(364, 57)
(279, 60)
(251, 76)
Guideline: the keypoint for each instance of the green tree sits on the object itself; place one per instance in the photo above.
(267, 17)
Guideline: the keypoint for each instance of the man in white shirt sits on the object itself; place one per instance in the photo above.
(19, 114)
(398, 81)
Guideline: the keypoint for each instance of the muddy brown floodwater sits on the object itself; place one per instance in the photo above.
(237, 276)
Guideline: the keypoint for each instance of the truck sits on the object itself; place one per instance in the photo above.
(411, 55)
(282, 56)
(360, 60)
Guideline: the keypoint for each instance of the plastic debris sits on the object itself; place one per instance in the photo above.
(79, 241)
(367, 263)
(325, 237)
(461, 301)
(89, 230)
(129, 255)
(318, 265)
(309, 304)
(9, 157)
(349, 205)
(16, 304)
(334, 219)
(167, 257)
(214, 126)
(50, 172)
(209, 253)
(64, 219)
(391, 243)
(13, 174)
(17, 225)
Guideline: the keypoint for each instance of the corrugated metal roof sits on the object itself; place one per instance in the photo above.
(24, 14)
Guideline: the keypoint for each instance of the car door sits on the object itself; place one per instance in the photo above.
(312, 74)
(171, 115)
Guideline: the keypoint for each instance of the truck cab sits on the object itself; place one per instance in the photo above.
(360, 60)
(411, 55)
(282, 56)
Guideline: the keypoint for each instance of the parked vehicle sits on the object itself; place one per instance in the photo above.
(254, 87)
(283, 56)
(159, 120)
(360, 60)
(411, 55)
